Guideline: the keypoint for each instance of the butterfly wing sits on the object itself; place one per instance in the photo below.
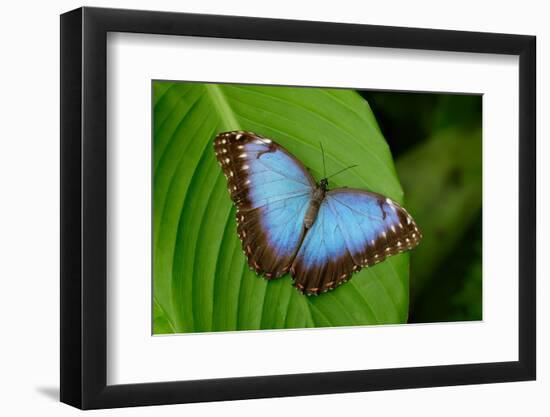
(271, 190)
(354, 229)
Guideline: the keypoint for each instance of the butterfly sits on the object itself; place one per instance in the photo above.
(288, 222)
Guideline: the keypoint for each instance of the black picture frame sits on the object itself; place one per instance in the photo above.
(84, 207)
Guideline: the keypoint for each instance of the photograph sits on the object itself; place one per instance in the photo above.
(284, 207)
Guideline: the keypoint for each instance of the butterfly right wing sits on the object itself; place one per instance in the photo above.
(354, 229)
(271, 191)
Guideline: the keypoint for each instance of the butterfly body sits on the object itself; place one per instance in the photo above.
(288, 222)
(317, 197)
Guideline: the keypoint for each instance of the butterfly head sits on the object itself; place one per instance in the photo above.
(323, 184)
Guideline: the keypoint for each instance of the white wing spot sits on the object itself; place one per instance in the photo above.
(227, 160)
(393, 228)
(238, 136)
(247, 182)
(245, 167)
(224, 141)
(243, 155)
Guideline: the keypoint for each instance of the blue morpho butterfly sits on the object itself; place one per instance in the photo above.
(289, 222)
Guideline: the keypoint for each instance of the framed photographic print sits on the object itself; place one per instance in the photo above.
(257, 208)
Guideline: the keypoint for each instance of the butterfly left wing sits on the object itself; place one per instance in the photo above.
(271, 190)
(354, 229)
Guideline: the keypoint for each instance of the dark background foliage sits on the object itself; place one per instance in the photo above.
(436, 142)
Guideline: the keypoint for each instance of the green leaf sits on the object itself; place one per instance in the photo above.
(201, 279)
(161, 321)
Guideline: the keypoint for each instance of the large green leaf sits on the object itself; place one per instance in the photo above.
(201, 280)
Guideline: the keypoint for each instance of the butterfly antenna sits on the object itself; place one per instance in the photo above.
(342, 170)
(324, 166)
